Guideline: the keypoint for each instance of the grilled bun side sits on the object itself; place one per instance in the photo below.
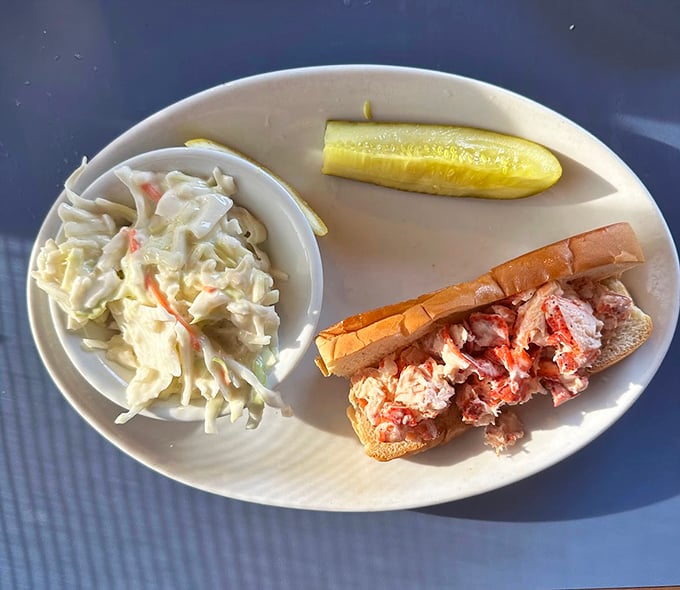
(628, 337)
(363, 339)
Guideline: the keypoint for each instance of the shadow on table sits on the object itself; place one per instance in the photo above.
(634, 464)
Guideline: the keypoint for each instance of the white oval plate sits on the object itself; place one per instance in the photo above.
(384, 246)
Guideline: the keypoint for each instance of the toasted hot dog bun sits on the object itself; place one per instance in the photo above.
(628, 337)
(361, 340)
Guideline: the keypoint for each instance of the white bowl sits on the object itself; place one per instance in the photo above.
(290, 244)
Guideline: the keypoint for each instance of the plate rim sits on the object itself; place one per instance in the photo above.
(348, 69)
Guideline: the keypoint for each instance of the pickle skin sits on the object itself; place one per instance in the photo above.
(438, 159)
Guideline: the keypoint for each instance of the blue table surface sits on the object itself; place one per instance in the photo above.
(77, 513)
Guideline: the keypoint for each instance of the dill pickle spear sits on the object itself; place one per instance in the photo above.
(316, 223)
(438, 159)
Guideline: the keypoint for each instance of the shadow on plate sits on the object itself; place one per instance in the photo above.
(579, 184)
(537, 416)
(467, 445)
(317, 400)
(632, 465)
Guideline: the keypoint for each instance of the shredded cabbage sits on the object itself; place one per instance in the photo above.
(183, 282)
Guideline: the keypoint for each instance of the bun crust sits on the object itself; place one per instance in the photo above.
(362, 340)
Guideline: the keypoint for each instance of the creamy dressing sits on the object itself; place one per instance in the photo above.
(181, 281)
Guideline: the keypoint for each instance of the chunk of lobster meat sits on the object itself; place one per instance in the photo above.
(575, 332)
(442, 345)
(460, 335)
(531, 326)
(516, 361)
(371, 387)
(504, 432)
(411, 355)
(609, 306)
(473, 403)
(489, 330)
(424, 389)
(565, 387)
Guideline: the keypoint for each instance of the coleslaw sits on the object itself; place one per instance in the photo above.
(181, 283)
